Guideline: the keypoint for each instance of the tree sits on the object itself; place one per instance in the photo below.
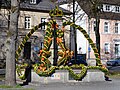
(96, 12)
(10, 44)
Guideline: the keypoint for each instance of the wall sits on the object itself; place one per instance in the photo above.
(109, 37)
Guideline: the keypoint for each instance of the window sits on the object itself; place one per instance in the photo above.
(110, 8)
(107, 48)
(116, 27)
(42, 21)
(27, 22)
(33, 1)
(106, 27)
(117, 9)
(94, 25)
(101, 8)
(117, 49)
(107, 7)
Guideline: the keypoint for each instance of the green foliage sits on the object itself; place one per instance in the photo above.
(79, 76)
(20, 69)
(61, 63)
(103, 69)
(5, 86)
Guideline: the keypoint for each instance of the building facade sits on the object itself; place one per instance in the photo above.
(32, 13)
(109, 38)
(109, 27)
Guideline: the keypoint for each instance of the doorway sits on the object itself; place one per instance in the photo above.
(27, 50)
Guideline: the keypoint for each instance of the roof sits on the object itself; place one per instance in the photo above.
(41, 6)
(86, 6)
(112, 2)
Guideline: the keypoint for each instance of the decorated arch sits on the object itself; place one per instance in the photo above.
(45, 68)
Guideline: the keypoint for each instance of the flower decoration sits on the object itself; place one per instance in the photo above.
(44, 68)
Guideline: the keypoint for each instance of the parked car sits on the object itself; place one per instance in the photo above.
(113, 62)
(80, 60)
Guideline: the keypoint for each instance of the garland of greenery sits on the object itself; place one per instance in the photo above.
(56, 12)
(44, 68)
(66, 54)
(18, 51)
(88, 38)
(45, 53)
(78, 76)
(20, 69)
